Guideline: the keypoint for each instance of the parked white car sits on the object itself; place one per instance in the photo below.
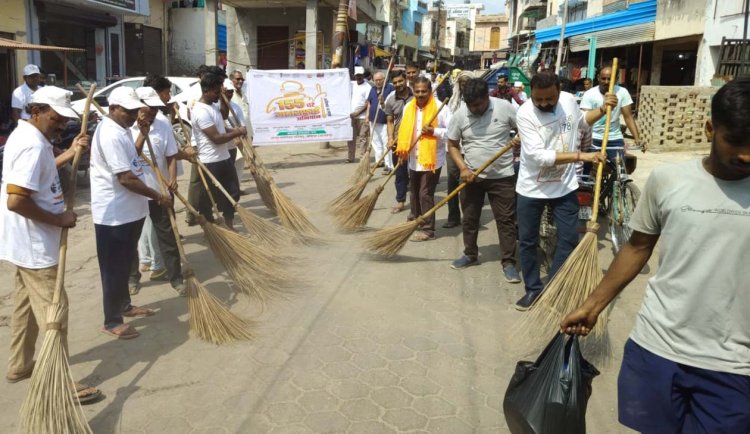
(179, 85)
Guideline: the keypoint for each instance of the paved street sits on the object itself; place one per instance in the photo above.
(366, 346)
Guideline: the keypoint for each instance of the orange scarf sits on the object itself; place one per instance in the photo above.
(427, 151)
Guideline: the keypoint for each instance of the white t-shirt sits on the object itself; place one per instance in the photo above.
(543, 135)
(593, 99)
(360, 92)
(164, 145)
(20, 98)
(30, 163)
(206, 116)
(441, 132)
(696, 309)
(161, 117)
(193, 95)
(112, 152)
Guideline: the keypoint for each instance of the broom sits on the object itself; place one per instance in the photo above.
(389, 241)
(578, 275)
(364, 163)
(341, 202)
(257, 227)
(210, 319)
(255, 271)
(50, 406)
(291, 216)
(356, 215)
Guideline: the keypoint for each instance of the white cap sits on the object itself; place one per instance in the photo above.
(30, 70)
(57, 98)
(228, 85)
(125, 97)
(149, 96)
(517, 84)
(358, 70)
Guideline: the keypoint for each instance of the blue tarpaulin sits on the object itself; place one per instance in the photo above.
(636, 13)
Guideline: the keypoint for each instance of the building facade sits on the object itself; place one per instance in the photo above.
(490, 39)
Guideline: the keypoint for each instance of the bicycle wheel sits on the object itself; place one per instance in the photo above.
(622, 204)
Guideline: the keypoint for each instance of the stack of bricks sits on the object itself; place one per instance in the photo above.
(673, 118)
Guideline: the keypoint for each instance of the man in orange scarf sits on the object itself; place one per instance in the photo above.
(421, 141)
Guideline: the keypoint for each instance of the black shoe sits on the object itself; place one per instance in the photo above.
(527, 300)
(463, 262)
(449, 224)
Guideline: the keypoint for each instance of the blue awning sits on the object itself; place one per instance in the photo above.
(221, 37)
(636, 13)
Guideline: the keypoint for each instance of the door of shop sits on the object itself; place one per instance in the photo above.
(273, 47)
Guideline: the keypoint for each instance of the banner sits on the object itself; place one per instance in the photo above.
(296, 106)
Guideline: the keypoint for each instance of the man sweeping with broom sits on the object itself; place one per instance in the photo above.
(212, 139)
(482, 127)
(31, 217)
(686, 366)
(549, 129)
(427, 156)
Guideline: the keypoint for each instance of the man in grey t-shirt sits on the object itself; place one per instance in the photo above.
(686, 366)
(482, 126)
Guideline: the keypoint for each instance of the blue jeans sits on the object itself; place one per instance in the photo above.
(659, 396)
(529, 215)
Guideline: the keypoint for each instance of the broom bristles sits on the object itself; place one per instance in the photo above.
(389, 241)
(263, 230)
(357, 215)
(255, 271)
(349, 196)
(363, 168)
(211, 320)
(50, 406)
(294, 217)
(565, 292)
(262, 184)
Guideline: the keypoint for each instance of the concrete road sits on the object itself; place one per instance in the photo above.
(366, 346)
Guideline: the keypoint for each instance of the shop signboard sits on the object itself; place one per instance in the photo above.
(296, 106)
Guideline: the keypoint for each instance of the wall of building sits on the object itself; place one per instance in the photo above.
(242, 26)
(678, 18)
(483, 33)
(686, 43)
(724, 19)
(187, 45)
(13, 20)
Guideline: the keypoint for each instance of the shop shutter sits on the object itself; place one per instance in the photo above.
(618, 37)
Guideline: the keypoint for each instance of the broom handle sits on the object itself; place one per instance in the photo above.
(216, 182)
(243, 139)
(461, 186)
(605, 139)
(154, 166)
(377, 109)
(60, 277)
(390, 175)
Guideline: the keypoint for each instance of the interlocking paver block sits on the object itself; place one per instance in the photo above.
(405, 368)
(360, 409)
(420, 386)
(327, 422)
(370, 427)
(361, 345)
(369, 361)
(318, 400)
(348, 389)
(458, 350)
(420, 343)
(397, 352)
(285, 412)
(379, 378)
(341, 370)
(333, 354)
(480, 416)
(433, 406)
(405, 418)
(391, 397)
(448, 425)
(310, 380)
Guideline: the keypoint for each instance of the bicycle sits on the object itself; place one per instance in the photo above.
(617, 200)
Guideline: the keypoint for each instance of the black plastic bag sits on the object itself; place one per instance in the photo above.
(550, 395)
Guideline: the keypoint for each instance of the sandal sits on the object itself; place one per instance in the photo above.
(400, 206)
(15, 378)
(138, 312)
(421, 236)
(134, 289)
(86, 394)
(122, 331)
